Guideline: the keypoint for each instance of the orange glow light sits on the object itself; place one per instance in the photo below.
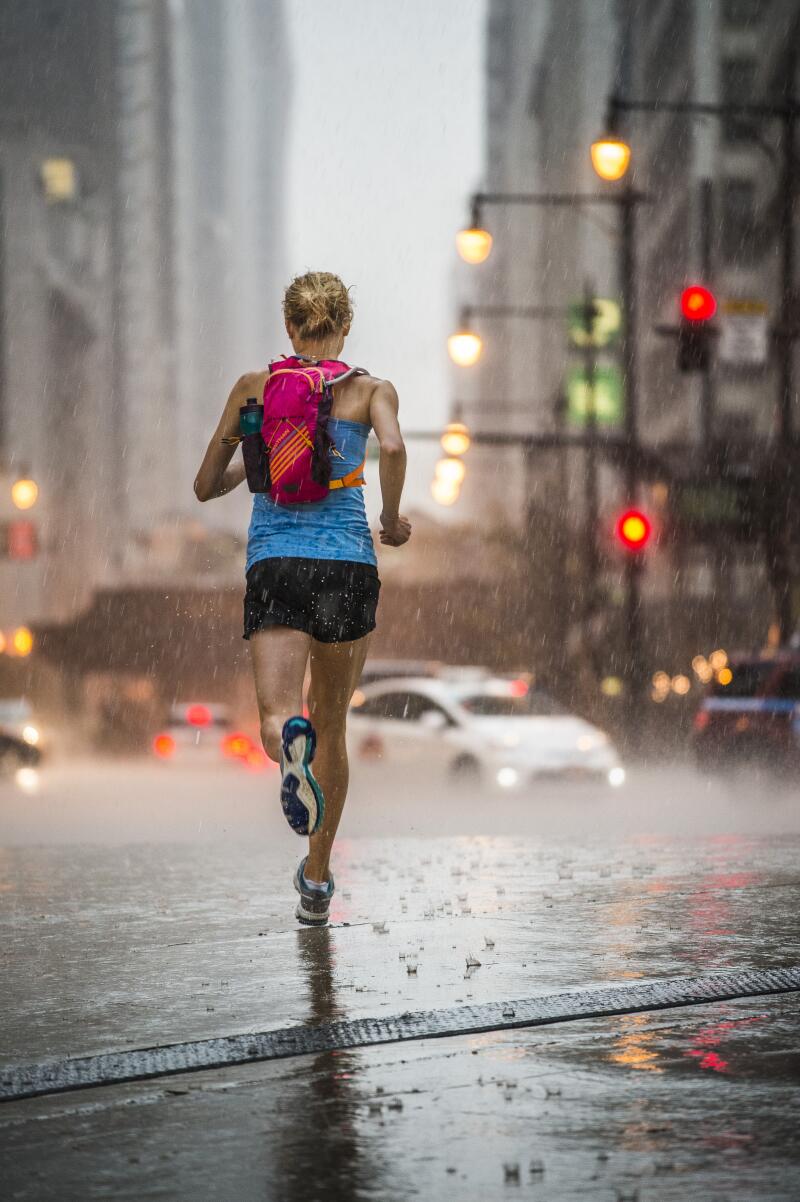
(474, 245)
(22, 641)
(24, 493)
(238, 746)
(464, 348)
(610, 157)
(164, 746)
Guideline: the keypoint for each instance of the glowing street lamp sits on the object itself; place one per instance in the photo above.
(444, 492)
(464, 348)
(611, 157)
(474, 244)
(22, 641)
(451, 471)
(455, 440)
(24, 493)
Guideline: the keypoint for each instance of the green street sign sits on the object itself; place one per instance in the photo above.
(606, 323)
(605, 396)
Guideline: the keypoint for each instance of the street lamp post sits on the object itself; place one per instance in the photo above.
(782, 466)
(610, 158)
(559, 313)
(465, 346)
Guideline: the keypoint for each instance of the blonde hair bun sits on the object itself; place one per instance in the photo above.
(317, 304)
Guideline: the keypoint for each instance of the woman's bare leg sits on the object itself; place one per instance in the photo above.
(335, 671)
(279, 656)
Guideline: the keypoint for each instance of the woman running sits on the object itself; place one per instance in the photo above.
(312, 579)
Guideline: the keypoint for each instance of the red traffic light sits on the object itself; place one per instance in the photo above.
(698, 303)
(633, 529)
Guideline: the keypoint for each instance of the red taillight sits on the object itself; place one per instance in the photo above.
(519, 688)
(701, 719)
(164, 746)
(198, 715)
(237, 746)
(257, 760)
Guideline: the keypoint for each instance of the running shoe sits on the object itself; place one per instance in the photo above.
(315, 900)
(301, 796)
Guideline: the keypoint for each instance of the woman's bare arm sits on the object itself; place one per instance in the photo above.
(383, 408)
(217, 475)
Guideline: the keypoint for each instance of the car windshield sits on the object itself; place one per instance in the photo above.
(508, 705)
(747, 680)
(15, 709)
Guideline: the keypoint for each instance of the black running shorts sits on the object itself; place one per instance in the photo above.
(332, 600)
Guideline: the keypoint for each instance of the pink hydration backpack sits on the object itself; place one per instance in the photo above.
(298, 395)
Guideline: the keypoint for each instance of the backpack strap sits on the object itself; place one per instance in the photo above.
(353, 479)
(346, 375)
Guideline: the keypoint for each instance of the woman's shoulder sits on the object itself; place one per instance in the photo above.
(373, 383)
(251, 382)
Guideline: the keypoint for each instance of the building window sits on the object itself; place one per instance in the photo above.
(59, 180)
(739, 225)
(737, 79)
(741, 14)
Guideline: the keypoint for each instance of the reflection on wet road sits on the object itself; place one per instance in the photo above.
(160, 933)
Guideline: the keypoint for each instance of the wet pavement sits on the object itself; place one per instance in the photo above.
(136, 941)
(678, 1106)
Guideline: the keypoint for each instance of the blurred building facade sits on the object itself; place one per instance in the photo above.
(712, 217)
(141, 162)
(59, 416)
(714, 184)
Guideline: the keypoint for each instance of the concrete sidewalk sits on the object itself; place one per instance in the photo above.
(142, 945)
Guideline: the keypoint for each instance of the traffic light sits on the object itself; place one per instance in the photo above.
(698, 306)
(633, 530)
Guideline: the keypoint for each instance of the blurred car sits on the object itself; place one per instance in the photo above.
(480, 728)
(390, 669)
(200, 733)
(394, 669)
(751, 713)
(16, 753)
(17, 721)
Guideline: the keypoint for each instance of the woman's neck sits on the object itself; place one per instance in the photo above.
(309, 351)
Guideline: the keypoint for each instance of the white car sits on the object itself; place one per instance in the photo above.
(489, 729)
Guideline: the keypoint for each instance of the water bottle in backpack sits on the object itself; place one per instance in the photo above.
(254, 448)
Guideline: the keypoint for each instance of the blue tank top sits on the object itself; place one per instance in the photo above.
(334, 528)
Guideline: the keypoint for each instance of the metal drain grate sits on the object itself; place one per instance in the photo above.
(115, 1068)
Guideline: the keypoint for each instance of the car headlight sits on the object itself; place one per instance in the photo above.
(27, 779)
(616, 777)
(31, 735)
(507, 778)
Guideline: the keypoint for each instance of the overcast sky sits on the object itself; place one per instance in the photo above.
(386, 145)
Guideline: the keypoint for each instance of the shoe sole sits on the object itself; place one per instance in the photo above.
(301, 797)
(308, 919)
